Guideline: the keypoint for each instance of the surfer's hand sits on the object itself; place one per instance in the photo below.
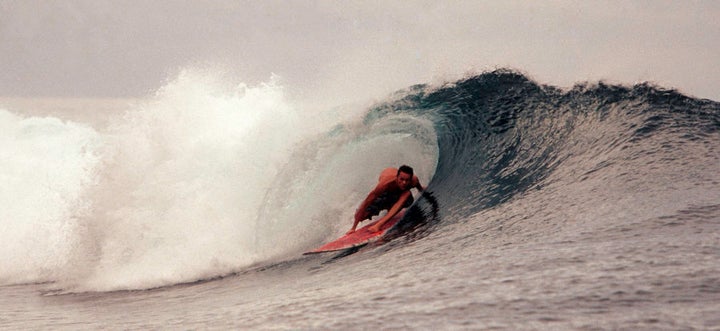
(374, 228)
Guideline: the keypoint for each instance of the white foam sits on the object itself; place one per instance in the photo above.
(201, 180)
(46, 167)
(184, 176)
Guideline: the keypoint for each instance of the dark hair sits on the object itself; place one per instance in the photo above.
(405, 169)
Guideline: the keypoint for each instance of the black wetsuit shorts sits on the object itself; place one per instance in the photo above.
(384, 202)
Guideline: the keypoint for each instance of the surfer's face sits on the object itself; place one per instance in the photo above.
(404, 180)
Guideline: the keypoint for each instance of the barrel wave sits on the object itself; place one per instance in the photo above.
(559, 207)
(501, 135)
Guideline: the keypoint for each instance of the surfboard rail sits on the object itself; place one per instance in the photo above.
(360, 237)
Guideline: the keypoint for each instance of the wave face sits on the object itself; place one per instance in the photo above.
(502, 136)
(208, 179)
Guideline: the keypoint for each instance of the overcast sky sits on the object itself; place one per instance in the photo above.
(352, 49)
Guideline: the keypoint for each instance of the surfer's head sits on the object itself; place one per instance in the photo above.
(404, 177)
(406, 169)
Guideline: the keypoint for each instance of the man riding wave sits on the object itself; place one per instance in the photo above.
(392, 193)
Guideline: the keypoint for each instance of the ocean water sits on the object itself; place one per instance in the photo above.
(596, 207)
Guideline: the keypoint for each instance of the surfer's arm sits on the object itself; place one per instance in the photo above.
(391, 213)
(417, 184)
(355, 222)
(360, 212)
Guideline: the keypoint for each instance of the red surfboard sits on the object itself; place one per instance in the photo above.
(360, 237)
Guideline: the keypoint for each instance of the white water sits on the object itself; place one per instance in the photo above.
(45, 167)
(203, 179)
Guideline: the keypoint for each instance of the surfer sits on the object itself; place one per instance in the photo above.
(392, 193)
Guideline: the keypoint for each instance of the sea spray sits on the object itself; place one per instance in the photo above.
(183, 177)
(200, 180)
(46, 166)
